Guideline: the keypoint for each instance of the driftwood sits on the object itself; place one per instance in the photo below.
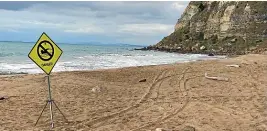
(216, 78)
(233, 66)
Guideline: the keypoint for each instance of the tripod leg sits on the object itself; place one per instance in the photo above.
(60, 111)
(51, 114)
(41, 114)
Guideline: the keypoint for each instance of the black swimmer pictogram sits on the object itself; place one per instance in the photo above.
(45, 50)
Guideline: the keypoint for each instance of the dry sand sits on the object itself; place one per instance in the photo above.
(175, 97)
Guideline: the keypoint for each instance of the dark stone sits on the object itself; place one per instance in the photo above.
(143, 80)
(2, 98)
(210, 54)
(257, 41)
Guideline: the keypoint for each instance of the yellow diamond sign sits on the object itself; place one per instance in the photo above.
(45, 53)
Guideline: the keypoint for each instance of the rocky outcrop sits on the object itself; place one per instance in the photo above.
(220, 27)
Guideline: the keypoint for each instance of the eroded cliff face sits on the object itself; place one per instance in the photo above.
(220, 27)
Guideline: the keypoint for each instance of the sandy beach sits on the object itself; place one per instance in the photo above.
(177, 97)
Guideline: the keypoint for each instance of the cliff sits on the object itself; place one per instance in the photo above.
(219, 27)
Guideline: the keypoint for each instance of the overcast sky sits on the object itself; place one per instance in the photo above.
(142, 23)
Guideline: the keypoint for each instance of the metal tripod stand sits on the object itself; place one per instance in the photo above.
(50, 102)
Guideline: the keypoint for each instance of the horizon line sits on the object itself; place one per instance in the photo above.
(92, 42)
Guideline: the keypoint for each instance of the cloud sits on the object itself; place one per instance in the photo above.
(114, 19)
(85, 30)
(178, 6)
(12, 30)
(146, 28)
(16, 5)
(39, 23)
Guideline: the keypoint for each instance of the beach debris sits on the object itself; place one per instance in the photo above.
(234, 40)
(161, 129)
(216, 78)
(233, 66)
(143, 80)
(202, 47)
(228, 44)
(96, 89)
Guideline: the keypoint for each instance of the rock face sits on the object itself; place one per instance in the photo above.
(219, 27)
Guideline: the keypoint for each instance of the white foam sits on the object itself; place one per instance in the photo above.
(18, 68)
(108, 60)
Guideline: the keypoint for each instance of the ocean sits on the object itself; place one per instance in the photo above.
(14, 57)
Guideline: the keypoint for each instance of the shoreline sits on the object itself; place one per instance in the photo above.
(103, 69)
(179, 51)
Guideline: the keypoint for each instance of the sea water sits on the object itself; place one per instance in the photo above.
(14, 57)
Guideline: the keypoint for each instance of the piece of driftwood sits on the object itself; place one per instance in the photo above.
(233, 66)
(216, 78)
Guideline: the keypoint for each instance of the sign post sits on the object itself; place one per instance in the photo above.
(45, 53)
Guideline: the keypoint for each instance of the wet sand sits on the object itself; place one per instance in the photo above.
(174, 96)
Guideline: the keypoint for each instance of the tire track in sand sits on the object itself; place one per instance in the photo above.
(147, 94)
(177, 110)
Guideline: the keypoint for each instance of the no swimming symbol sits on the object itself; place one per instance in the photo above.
(45, 50)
